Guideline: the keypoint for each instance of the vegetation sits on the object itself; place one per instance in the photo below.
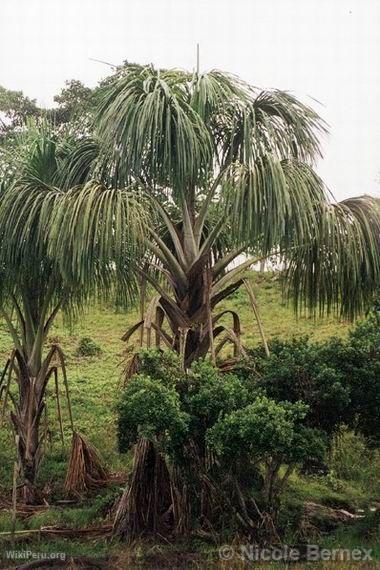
(88, 347)
(33, 290)
(338, 379)
(222, 169)
(352, 482)
(231, 441)
(206, 155)
(166, 187)
(94, 382)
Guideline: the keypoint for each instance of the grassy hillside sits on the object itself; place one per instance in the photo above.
(95, 385)
(95, 380)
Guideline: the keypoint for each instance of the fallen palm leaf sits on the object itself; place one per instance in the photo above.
(59, 532)
(86, 470)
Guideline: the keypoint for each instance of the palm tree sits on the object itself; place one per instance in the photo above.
(223, 168)
(220, 168)
(33, 287)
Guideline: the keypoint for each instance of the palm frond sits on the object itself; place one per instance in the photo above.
(95, 236)
(339, 270)
(146, 117)
(275, 204)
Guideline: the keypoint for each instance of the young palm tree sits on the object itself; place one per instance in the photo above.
(33, 288)
(223, 168)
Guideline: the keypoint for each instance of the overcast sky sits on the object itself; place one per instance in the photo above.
(326, 49)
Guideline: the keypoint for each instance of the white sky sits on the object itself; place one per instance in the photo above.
(328, 49)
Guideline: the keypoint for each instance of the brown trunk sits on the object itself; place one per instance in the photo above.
(196, 305)
(181, 503)
(26, 422)
(145, 505)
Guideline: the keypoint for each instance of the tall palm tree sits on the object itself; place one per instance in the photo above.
(222, 168)
(33, 287)
(219, 168)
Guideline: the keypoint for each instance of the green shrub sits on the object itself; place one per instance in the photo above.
(190, 415)
(232, 440)
(88, 347)
(352, 460)
(300, 370)
(361, 367)
(339, 380)
(149, 408)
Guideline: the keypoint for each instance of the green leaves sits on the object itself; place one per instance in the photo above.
(182, 170)
(263, 428)
(211, 427)
(225, 158)
(60, 247)
(147, 118)
(94, 233)
(276, 204)
(339, 268)
(152, 410)
(300, 370)
(287, 127)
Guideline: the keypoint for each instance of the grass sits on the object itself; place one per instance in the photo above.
(95, 382)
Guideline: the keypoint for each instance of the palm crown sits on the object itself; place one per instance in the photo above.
(223, 168)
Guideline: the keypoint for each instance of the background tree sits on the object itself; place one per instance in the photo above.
(75, 102)
(15, 109)
(74, 108)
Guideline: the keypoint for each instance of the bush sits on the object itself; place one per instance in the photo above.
(352, 460)
(88, 347)
(205, 413)
(299, 370)
(361, 368)
(339, 380)
(149, 408)
(231, 440)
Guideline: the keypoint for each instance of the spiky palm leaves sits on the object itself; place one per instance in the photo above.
(210, 156)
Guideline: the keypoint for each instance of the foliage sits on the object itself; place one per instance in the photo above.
(179, 174)
(360, 363)
(338, 379)
(163, 366)
(207, 395)
(352, 459)
(300, 370)
(94, 386)
(150, 409)
(75, 102)
(16, 109)
(273, 414)
(262, 428)
(35, 286)
(221, 168)
(206, 412)
(94, 381)
(88, 347)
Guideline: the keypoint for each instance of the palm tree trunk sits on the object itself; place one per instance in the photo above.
(26, 421)
(146, 501)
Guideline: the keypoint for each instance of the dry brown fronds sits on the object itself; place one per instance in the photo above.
(86, 470)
